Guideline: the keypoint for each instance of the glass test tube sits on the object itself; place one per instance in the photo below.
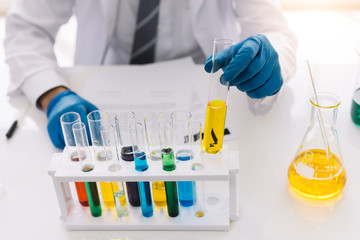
(152, 120)
(168, 162)
(139, 144)
(123, 120)
(67, 121)
(111, 157)
(120, 199)
(198, 188)
(96, 120)
(217, 100)
(86, 165)
(197, 149)
(182, 147)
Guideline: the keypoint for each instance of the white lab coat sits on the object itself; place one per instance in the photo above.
(32, 25)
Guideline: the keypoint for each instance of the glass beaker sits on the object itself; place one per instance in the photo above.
(317, 170)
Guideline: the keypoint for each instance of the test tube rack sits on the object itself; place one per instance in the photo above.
(221, 203)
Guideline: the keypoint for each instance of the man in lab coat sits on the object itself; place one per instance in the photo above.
(264, 54)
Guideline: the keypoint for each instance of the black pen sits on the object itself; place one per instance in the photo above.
(20, 117)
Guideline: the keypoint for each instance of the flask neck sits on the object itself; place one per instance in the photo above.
(328, 116)
(324, 108)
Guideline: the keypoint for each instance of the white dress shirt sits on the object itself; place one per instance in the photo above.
(174, 27)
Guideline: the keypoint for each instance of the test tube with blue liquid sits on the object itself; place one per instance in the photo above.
(183, 152)
(197, 165)
(139, 144)
(168, 164)
(86, 165)
(123, 121)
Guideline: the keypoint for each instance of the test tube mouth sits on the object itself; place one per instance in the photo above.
(70, 118)
(181, 115)
(325, 100)
(156, 116)
(107, 128)
(224, 41)
(97, 115)
(79, 126)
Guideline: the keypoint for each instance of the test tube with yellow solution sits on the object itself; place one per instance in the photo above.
(111, 157)
(96, 120)
(217, 100)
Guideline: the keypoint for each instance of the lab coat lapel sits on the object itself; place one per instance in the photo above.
(213, 19)
(92, 33)
(201, 26)
(109, 10)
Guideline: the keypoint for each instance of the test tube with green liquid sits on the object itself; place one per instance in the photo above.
(86, 165)
(168, 163)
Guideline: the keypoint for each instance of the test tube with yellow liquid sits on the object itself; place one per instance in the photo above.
(218, 93)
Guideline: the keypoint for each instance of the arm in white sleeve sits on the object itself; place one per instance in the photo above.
(31, 28)
(265, 17)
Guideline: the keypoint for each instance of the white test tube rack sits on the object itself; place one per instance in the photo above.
(221, 203)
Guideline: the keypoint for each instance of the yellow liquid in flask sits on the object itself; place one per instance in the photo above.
(311, 174)
(214, 126)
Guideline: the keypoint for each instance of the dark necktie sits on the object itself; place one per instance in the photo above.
(143, 49)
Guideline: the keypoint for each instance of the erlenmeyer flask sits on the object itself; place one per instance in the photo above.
(317, 170)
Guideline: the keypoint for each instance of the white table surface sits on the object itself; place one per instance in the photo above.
(267, 144)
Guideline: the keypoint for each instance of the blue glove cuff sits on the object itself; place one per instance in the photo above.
(56, 100)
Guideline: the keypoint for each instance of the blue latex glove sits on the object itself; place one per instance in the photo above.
(254, 67)
(64, 102)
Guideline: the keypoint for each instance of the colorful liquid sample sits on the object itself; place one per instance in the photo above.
(93, 199)
(313, 175)
(168, 162)
(81, 192)
(186, 197)
(127, 153)
(159, 195)
(120, 199)
(133, 193)
(107, 194)
(184, 155)
(140, 161)
(214, 126)
(145, 199)
(355, 107)
(172, 199)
